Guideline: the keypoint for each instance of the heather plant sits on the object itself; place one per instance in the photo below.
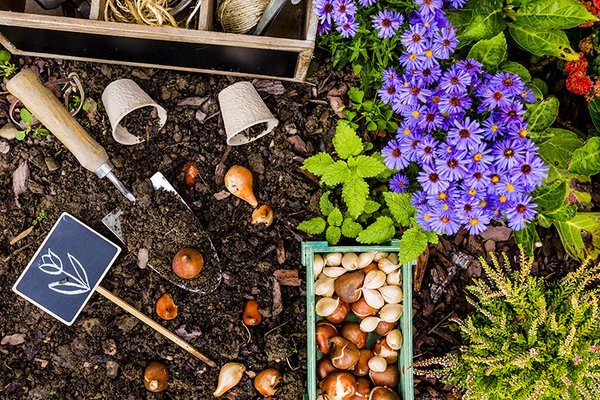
(528, 338)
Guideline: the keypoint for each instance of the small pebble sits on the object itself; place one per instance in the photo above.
(112, 369)
(51, 164)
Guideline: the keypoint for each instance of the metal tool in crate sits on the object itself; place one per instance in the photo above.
(309, 249)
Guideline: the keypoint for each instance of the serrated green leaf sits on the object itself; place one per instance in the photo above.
(355, 193)
(318, 164)
(333, 235)
(336, 173)
(412, 243)
(432, 237)
(346, 142)
(586, 159)
(542, 42)
(551, 197)
(26, 116)
(570, 234)
(351, 228)
(594, 108)
(490, 52)
(400, 207)
(335, 218)
(313, 226)
(380, 231)
(371, 206)
(527, 237)
(325, 204)
(543, 114)
(556, 152)
(564, 213)
(368, 166)
(517, 69)
(554, 14)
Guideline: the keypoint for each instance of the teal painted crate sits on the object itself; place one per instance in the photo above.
(406, 386)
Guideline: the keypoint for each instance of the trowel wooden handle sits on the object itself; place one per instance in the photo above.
(44, 105)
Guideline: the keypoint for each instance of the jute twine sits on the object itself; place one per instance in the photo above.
(239, 16)
(143, 12)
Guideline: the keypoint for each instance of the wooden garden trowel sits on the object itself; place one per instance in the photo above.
(44, 105)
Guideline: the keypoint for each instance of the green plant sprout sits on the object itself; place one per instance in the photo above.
(40, 217)
(374, 113)
(7, 69)
(27, 119)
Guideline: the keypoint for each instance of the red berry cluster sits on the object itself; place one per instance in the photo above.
(578, 81)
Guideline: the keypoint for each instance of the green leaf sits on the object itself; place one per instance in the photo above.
(400, 207)
(355, 193)
(346, 142)
(490, 52)
(333, 235)
(543, 114)
(26, 116)
(594, 108)
(541, 137)
(380, 231)
(313, 226)
(570, 234)
(4, 57)
(583, 197)
(337, 173)
(551, 197)
(356, 95)
(481, 26)
(527, 237)
(517, 69)
(20, 135)
(553, 14)
(325, 204)
(368, 166)
(351, 228)
(335, 218)
(541, 85)
(371, 206)
(564, 213)
(318, 164)
(432, 237)
(542, 42)
(586, 159)
(412, 243)
(556, 152)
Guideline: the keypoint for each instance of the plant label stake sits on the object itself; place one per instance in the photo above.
(67, 269)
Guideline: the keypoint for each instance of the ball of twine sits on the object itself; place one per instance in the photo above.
(239, 16)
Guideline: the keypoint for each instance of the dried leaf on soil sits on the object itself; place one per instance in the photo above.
(280, 252)
(142, 258)
(187, 336)
(287, 277)
(193, 101)
(14, 339)
(20, 177)
(223, 194)
(420, 269)
(4, 147)
(299, 144)
(277, 305)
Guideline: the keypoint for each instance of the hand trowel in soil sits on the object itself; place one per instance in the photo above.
(42, 103)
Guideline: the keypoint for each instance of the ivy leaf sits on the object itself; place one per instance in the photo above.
(586, 159)
(570, 234)
(551, 197)
(413, 242)
(336, 173)
(380, 231)
(346, 142)
(543, 42)
(554, 14)
(26, 116)
(368, 167)
(318, 164)
(371, 206)
(527, 237)
(351, 228)
(517, 69)
(335, 218)
(490, 52)
(543, 114)
(355, 193)
(594, 108)
(314, 226)
(400, 207)
(325, 204)
(333, 235)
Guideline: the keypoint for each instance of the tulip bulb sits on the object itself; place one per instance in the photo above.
(340, 313)
(379, 255)
(263, 215)
(384, 327)
(362, 366)
(391, 294)
(333, 259)
(394, 278)
(334, 272)
(318, 264)
(382, 349)
(165, 307)
(386, 265)
(365, 259)
(373, 298)
(390, 377)
(383, 393)
(363, 389)
(251, 316)
(188, 263)
(369, 324)
(374, 279)
(377, 364)
(156, 377)
(238, 180)
(339, 386)
(265, 381)
(326, 306)
(347, 286)
(324, 331)
(325, 367)
(394, 339)
(325, 286)
(350, 261)
(344, 354)
(362, 310)
(391, 312)
(352, 332)
(230, 375)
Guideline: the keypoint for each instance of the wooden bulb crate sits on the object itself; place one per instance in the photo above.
(284, 53)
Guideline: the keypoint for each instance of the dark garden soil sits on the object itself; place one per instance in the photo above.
(104, 353)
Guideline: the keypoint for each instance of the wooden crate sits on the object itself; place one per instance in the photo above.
(196, 50)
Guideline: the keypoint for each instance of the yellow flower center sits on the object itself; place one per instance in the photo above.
(407, 132)
(496, 212)
(523, 132)
(483, 203)
(494, 128)
(427, 24)
(416, 114)
(495, 179)
(426, 216)
(510, 187)
(412, 57)
(472, 192)
(502, 199)
(474, 221)
(448, 149)
(406, 84)
(429, 53)
(478, 157)
(445, 207)
(442, 196)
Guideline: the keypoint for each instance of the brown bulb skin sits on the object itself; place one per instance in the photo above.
(383, 393)
(266, 381)
(251, 316)
(363, 389)
(362, 367)
(371, 267)
(390, 377)
(362, 310)
(339, 386)
(340, 313)
(190, 173)
(383, 328)
(347, 286)
(188, 263)
(324, 331)
(156, 377)
(344, 354)
(382, 349)
(165, 307)
(352, 332)
(324, 368)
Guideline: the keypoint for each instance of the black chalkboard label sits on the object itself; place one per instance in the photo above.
(65, 271)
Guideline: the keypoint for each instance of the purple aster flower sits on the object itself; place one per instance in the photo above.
(512, 113)
(521, 212)
(410, 60)
(510, 83)
(446, 151)
(323, 28)
(423, 216)
(431, 181)
(454, 104)
(399, 183)
(456, 3)
(518, 131)
(452, 169)
(342, 10)
(455, 81)
(431, 120)
(390, 75)
(494, 97)
(348, 28)
(415, 39)
(367, 3)
(510, 188)
(428, 76)
(478, 222)
(393, 157)
(324, 10)
(531, 171)
(428, 59)
(428, 7)
(463, 208)
(403, 130)
(388, 22)
(479, 157)
(491, 128)
(508, 153)
(465, 135)
(389, 92)
(472, 193)
(428, 21)
(419, 198)
(412, 115)
(527, 96)
(413, 94)
(479, 180)
(471, 67)
(442, 222)
(445, 42)
(409, 146)
(496, 179)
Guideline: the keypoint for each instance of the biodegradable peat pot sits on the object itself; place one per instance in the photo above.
(120, 98)
(242, 108)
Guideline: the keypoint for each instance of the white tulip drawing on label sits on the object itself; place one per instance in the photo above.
(71, 283)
